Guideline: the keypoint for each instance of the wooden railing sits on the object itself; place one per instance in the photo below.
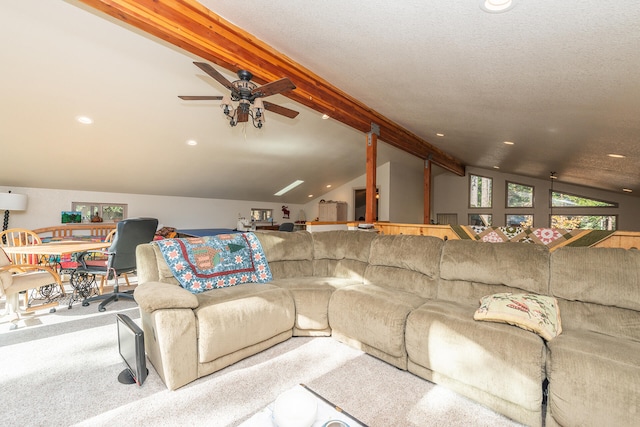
(621, 239)
(441, 231)
(618, 239)
(99, 229)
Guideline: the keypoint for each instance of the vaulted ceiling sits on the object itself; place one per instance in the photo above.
(558, 79)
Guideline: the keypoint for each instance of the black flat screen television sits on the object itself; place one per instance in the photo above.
(131, 348)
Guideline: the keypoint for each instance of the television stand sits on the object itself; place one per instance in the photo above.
(125, 377)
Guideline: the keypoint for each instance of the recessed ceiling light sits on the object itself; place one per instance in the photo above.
(496, 6)
(439, 134)
(325, 116)
(289, 187)
(627, 190)
(328, 185)
(616, 156)
(496, 167)
(310, 195)
(84, 120)
(509, 142)
(192, 142)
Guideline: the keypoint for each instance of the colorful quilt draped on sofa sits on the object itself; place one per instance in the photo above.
(551, 237)
(210, 262)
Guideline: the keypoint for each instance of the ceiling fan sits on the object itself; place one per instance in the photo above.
(248, 95)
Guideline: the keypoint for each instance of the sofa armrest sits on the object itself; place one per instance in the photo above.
(152, 296)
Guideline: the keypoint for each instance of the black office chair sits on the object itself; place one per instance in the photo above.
(286, 226)
(121, 257)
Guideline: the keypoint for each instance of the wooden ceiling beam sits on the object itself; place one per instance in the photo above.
(191, 26)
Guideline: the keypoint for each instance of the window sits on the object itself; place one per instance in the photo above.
(261, 214)
(566, 200)
(480, 191)
(109, 212)
(519, 195)
(519, 221)
(589, 222)
(480, 219)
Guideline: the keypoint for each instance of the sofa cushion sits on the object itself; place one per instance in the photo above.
(470, 270)
(340, 244)
(594, 380)
(407, 263)
(284, 246)
(373, 315)
(288, 254)
(230, 319)
(341, 253)
(589, 275)
(531, 312)
(311, 296)
(496, 358)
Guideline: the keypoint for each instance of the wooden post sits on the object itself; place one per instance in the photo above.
(372, 150)
(427, 192)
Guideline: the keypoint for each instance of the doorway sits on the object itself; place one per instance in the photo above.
(360, 203)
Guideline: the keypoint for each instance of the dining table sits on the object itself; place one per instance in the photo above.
(54, 249)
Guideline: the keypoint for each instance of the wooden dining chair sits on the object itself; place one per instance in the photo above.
(21, 237)
(17, 278)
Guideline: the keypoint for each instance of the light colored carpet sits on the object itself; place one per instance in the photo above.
(61, 369)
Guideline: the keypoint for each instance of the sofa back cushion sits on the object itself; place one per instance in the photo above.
(405, 262)
(288, 254)
(470, 269)
(597, 289)
(341, 253)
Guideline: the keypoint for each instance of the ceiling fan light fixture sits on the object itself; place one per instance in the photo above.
(258, 108)
(227, 106)
(496, 6)
(248, 96)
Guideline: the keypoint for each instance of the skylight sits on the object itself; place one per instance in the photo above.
(289, 187)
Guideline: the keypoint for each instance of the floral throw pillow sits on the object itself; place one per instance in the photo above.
(532, 312)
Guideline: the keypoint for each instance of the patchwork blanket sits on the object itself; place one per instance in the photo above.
(553, 238)
(203, 263)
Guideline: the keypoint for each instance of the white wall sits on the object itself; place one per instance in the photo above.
(346, 193)
(451, 195)
(45, 205)
(400, 185)
(406, 204)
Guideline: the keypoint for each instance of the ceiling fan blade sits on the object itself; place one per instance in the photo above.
(200, 98)
(279, 86)
(280, 110)
(215, 74)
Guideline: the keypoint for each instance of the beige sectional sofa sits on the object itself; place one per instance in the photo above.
(410, 301)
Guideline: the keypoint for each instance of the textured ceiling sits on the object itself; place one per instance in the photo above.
(557, 78)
